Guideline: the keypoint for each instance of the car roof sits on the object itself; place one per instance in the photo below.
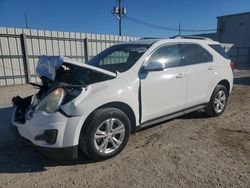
(142, 41)
(150, 41)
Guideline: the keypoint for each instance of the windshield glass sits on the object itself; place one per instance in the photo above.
(119, 57)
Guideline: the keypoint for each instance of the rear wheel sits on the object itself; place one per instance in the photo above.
(218, 101)
(106, 134)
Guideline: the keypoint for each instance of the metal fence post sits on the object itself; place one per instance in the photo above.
(249, 55)
(25, 58)
(237, 56)
(86, 49)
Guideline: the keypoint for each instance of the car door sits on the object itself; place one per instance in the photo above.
(163, 92)
(199, 73)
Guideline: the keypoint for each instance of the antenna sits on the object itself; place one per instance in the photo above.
(26, 21)
(179, 28)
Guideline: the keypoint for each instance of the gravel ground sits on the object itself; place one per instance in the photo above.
(189, 151)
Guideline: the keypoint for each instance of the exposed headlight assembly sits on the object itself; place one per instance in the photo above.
(51, 103)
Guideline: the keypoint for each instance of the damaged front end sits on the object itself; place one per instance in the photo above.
(40, 120)
(62, 80)
(21, 105)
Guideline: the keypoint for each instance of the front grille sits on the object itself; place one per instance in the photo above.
(21, 105)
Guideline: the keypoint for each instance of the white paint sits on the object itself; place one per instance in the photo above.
(163, 92)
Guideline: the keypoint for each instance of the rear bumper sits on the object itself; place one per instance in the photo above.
(61, 154)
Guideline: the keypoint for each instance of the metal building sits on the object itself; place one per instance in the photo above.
(233, 32)
(234, 29)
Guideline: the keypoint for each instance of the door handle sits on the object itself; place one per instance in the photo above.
(210, 68)
(180, 75)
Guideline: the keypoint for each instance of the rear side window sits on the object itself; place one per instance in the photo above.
(194, 54)
(219, 50)
(168, 55)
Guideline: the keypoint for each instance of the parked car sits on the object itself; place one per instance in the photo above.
(93, 107)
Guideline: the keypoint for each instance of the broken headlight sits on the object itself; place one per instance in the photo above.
(51, 102)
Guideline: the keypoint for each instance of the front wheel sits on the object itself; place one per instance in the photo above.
(218, 101)
(106, 134)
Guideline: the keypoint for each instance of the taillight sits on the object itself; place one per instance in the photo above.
(232, 65)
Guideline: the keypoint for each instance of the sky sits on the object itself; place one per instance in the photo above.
(95, 16)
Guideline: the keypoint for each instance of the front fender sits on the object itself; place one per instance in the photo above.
(99, 94)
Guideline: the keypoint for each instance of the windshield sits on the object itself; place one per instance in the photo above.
(119, 57)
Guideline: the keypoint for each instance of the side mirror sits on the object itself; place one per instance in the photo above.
(153, 66)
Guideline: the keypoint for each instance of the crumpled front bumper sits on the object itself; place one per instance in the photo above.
(53, 133)
(61, 154)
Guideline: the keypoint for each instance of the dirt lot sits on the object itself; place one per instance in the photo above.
(190, 151)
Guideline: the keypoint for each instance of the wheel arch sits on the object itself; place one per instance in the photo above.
(225, 83)
(120, 106)
(209, 109)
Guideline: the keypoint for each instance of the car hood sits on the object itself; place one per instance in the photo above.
(47, 66)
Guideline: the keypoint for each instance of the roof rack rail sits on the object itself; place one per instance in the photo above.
(143, 38)
(189, 37)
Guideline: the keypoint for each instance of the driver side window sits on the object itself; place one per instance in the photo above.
(167, 55)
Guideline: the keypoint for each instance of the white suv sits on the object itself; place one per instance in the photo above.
(94, 107)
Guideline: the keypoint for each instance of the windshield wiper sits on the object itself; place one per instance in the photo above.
(63, 84)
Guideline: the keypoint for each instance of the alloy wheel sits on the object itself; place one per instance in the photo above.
(220, 101)
(109, 135)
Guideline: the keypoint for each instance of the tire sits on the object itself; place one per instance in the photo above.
(108, 128)
(212, 108)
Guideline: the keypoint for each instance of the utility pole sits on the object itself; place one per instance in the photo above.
(26, 21)
(179, 28)
(120, 18)
(119, 11)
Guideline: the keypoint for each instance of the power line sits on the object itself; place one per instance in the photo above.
(141, 22)
(97, 8)
(150, 24)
